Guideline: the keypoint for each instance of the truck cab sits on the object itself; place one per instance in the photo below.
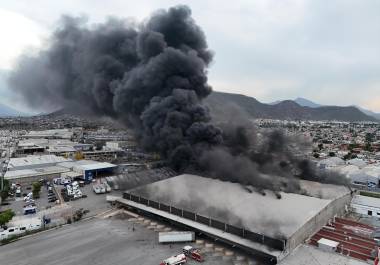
(193, 253)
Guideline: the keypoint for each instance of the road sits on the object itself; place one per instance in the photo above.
(93, 242)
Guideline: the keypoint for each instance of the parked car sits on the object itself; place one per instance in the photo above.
(30, 210)
(52, 199)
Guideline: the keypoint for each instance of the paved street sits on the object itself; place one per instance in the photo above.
(93, 242)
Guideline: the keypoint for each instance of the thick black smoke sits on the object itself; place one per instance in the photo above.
(153, 75)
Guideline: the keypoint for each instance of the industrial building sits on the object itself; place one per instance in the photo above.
(347, 237)
(28, 176)
(35, 161)
(51, 146)
(264, 226)
(310, 255)
(104, 155)
(89, 169)
(119, 145)
(365, 205)
(51, 134)
(25, 170)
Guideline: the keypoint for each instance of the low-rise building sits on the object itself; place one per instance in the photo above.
(365, 205)
(35, 161)
(28, 176)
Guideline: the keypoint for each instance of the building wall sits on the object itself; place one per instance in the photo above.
(362, 209)
(32, 166)
(100, 156)
(335, 208)
(29, 180)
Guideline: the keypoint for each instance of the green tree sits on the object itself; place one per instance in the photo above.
(4, 192)
(369, 137)
(368, 147)
(6, 216)
(352, 146)
(36, 188)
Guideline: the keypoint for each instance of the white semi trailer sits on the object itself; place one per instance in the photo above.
(172, 237)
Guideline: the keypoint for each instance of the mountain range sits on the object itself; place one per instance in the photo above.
(221, 104)
(308, 103)
(6, 111)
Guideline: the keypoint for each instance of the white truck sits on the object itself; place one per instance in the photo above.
(177, 236)
(175, 260)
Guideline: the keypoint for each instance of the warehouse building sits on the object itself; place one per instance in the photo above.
(51, 146)
(28, 176)
(31, 168)
(264, 226)
(103, 155)
(51, 134)
(35, 161)
(88, 169)
(365, 205)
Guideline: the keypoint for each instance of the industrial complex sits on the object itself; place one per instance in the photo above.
(265, 226)
(33, 168)
(99, 174)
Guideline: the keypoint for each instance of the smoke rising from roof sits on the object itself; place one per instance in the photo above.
(153, 76)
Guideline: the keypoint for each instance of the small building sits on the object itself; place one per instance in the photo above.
(365, 205)
(89, 169)
(327, 245)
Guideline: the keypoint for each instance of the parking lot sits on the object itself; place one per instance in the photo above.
(94, 203)
(17, 203)
(94, 242)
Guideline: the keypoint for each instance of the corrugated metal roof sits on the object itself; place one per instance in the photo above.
(366, 201)
(15, 163)
(96, 166)
(25, 173)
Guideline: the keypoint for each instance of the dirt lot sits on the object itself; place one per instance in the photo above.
(94, 242)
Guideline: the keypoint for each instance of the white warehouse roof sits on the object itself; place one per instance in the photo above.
(25, 173)
(83, 165)
(55, 133)
(35, 161)
(332, 162)
(366, 201)
(96, 166)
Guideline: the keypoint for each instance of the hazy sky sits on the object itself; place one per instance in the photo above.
(326, 51)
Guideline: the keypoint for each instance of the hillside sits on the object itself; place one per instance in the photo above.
(222, 103)
(6, 111)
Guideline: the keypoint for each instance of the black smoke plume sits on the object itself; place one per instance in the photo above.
(153, 75)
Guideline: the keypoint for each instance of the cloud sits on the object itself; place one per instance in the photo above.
(18, 33)
(268, 49)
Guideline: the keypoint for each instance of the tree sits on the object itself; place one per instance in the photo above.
(78, 156)
(5, 191)
(368, 147)
(369, 137)
(320, 146)
(36, 188)
(352, 146)
(6, 216)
